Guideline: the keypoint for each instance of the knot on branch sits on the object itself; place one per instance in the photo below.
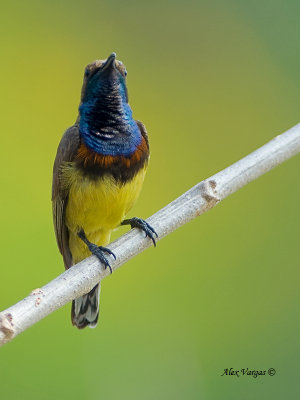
(208, 191)
(6, 328)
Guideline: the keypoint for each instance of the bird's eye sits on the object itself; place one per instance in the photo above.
(86, 72)
(125, 72)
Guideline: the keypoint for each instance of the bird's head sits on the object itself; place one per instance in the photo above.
(105, 117)
(103, 78)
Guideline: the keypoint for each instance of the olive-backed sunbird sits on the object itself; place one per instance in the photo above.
(98, 173)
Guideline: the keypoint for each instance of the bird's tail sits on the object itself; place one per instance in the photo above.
(85, 309)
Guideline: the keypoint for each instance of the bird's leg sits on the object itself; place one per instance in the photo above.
(98, 251)
(143, 225)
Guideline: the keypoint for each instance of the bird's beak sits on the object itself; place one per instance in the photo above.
(110, 63)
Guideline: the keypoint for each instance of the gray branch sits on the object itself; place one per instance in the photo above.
(83, 276)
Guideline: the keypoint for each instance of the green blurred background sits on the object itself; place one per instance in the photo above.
(212, 81)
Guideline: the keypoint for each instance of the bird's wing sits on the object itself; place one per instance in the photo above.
(143, 131)
(66, 152)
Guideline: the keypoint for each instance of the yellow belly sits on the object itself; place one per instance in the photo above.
(97, 207)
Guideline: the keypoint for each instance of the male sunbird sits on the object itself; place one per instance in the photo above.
(98, 173)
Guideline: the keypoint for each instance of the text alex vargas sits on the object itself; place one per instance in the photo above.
(243, 371)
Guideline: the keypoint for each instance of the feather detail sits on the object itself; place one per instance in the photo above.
(85, 309)
(122, 168)
(90, 158)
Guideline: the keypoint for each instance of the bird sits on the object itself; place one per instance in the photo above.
(98, 174)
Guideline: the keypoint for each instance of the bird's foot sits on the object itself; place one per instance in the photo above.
(97, 251)
(143, 225)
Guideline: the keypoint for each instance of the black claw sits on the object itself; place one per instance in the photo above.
(106, 250)
(151, 229)
(143, 225)
(97, 250)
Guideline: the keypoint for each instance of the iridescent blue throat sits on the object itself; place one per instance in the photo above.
(106, 124)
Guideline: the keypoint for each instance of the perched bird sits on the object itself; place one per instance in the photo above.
(98, 173)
